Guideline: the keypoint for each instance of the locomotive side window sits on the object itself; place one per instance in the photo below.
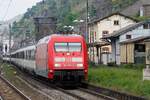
(74, 47)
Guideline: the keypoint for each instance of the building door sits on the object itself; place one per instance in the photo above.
(139, 54)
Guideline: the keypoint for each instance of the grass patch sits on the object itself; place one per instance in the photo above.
(122, 79)
(8, 72)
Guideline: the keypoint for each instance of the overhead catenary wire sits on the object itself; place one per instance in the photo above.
(5, 14)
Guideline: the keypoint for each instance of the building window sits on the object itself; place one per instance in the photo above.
(146, 26)
(104, 33)
(139, 47)
(116, 22)
(105, 49)
(128, 36)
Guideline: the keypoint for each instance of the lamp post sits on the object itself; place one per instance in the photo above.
(87, 16)
(10, 43)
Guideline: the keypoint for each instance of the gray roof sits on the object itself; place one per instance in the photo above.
(116, 13)
(147, 40)
(125, 29)
(142, 38)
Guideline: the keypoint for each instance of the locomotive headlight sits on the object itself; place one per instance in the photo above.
(57, 65)
(59, 59)
(77, 59)
(80, 65)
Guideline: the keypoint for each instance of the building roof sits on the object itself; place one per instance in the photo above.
(147, 40)
(117, 13)
(98, 44)
(142, 38)
(125, 29)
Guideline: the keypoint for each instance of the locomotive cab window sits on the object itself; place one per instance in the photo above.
(68, 47)
(74, 47)
(61, 47)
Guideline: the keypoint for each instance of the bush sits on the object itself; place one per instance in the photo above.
(133, 66)
(111, 64)
(91, 64)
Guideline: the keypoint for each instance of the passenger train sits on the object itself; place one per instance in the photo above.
(56, 57)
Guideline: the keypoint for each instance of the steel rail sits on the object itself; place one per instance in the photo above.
(14, 88)
(97, 94)
(112, 93)
(46, 83)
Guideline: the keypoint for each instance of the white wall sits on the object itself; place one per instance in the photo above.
(117, 52)
(138, 32)
(6, 42)
(106, 57)
(108, 24)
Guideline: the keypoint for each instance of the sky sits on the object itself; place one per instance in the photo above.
(12, 8)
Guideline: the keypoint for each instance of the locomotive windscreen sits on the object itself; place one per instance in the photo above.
(68, 47)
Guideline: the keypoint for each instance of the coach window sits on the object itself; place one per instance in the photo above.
(18, 54)
(27, 55)
(22, 55)
(32, 54)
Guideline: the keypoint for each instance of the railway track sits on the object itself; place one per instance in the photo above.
(112, 93)
(99, 92)
(13, 89)
(50, 86)
(41, 83)
(76, 93)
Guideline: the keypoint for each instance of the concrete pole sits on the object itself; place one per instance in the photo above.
(10, 43)
(87, 15)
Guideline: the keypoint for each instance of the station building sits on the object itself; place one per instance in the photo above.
(99, 49)
(130, 44)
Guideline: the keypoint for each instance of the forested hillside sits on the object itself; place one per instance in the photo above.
(66, 11)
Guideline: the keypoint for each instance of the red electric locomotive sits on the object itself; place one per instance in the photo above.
(62, 58)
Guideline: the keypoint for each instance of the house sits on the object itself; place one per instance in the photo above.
(6, 43)
(99, 28)
(145, 10)
(128, 44)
